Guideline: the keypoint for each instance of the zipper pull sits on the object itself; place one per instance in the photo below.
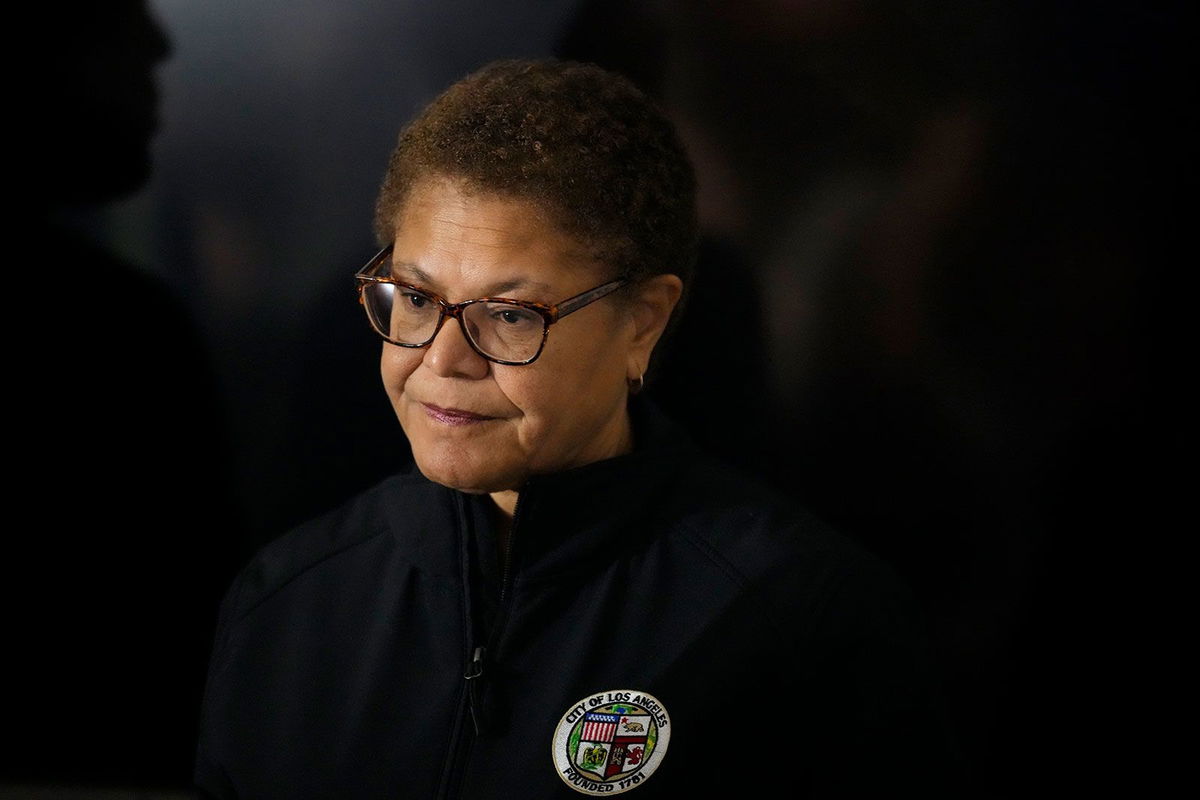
(475, 668)
(473, 674)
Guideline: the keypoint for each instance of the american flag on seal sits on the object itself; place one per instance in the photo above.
(599, 727)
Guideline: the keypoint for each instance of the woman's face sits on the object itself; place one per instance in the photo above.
(484, 427)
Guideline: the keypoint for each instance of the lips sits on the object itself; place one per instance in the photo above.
(454, 416)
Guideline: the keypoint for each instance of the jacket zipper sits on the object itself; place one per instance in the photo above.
(506, 567)
(474, 672)
(473, 675)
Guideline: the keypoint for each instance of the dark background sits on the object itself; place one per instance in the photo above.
(932, 304)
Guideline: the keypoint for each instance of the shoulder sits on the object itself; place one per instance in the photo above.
(753, 525)
(770, 547)
(751, 530)
(383, 522)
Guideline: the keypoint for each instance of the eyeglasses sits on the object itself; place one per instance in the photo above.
(502, 330)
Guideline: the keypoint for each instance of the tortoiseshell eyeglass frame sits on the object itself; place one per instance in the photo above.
(550, 314)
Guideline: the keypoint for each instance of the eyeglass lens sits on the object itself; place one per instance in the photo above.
(503, 331)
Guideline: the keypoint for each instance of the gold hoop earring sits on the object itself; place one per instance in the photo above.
(635, 384)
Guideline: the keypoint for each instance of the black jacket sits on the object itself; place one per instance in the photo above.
(762, 654)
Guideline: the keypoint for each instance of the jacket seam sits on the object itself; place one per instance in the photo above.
(834, 586)
(306, 569)
(711, 553)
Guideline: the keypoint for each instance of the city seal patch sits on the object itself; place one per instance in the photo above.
(611, 742)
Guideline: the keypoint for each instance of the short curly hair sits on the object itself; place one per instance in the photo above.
(580, 142)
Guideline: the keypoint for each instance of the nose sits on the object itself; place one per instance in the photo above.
(449, 355)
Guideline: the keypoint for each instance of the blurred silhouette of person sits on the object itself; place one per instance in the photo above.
(942, 208)
(124, 527)
(837, 145)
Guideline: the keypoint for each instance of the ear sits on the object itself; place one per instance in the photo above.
(653, 302)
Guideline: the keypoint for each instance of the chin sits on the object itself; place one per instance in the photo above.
(462, 471)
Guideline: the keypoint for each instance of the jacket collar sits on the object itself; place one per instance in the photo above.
(579, 518)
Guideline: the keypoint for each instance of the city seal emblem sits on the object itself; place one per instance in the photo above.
(610, 742)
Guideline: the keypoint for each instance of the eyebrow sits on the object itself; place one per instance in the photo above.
(496, 290)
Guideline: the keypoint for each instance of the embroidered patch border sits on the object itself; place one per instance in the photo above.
(610, 742)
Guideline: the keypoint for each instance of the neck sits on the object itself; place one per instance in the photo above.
(505, 502)
(506, 505)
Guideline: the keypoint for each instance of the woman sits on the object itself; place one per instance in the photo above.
(564, 597)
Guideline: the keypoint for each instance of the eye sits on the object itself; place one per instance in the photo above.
(415, 299)
(514, 315)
